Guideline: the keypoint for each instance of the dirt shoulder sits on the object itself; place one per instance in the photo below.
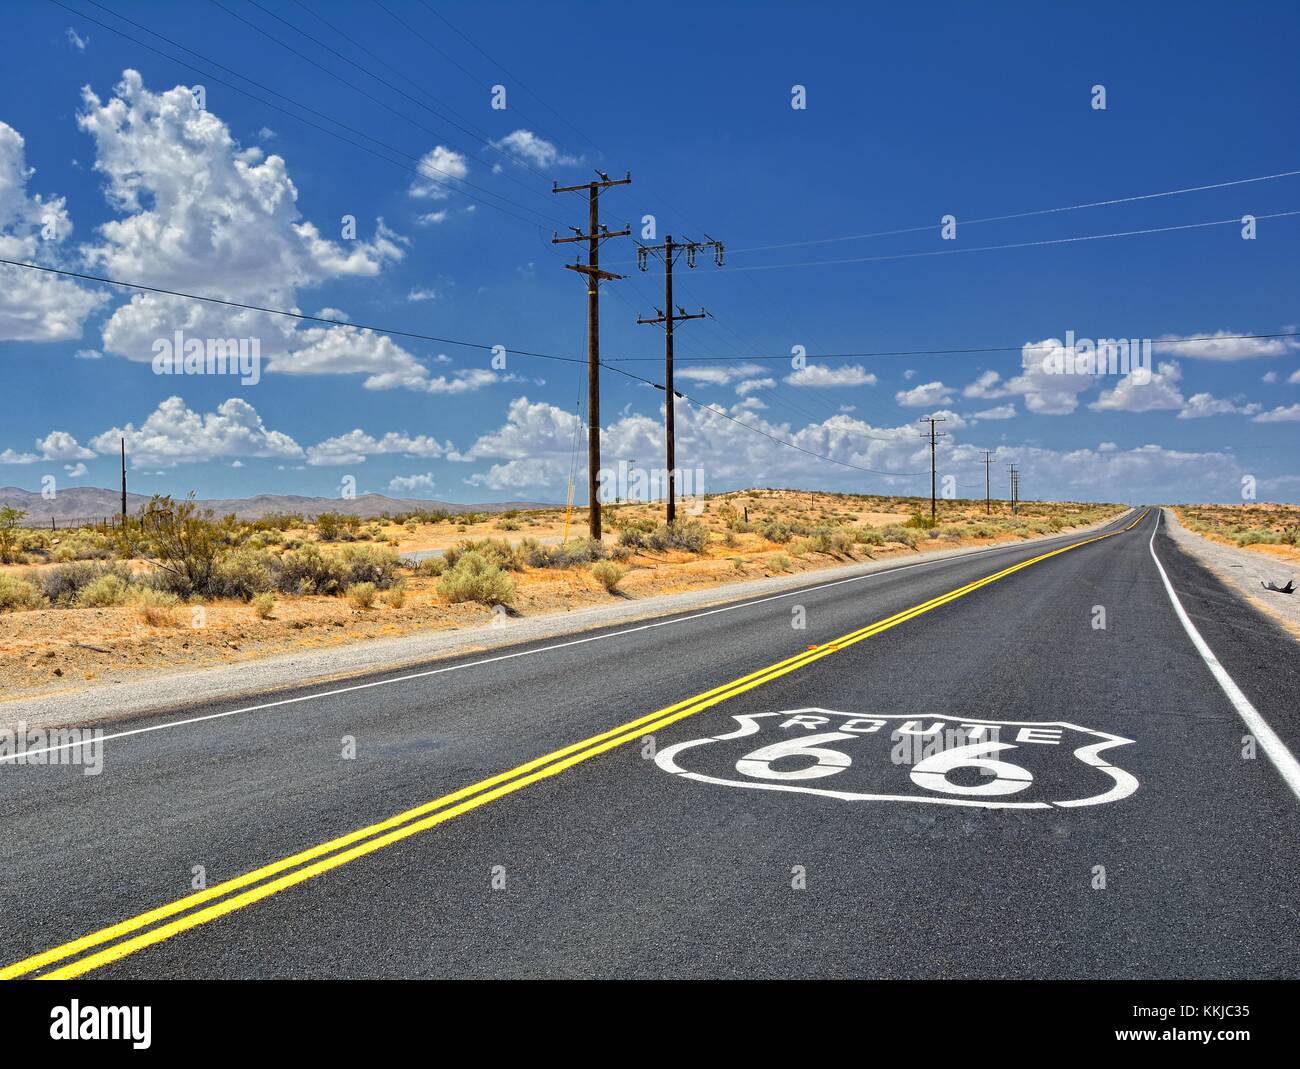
(363, 642)
(1245, 570)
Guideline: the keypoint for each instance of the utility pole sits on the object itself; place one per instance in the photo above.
(1015, 488)
(124, 482)
(934, 508)
(988, 497)
(669, 252)
(593, 237)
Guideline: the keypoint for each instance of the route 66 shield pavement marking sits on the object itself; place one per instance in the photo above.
(934, 758)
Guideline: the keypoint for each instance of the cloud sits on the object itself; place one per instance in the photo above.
(55, 447)
(76, 40)
(1288, 414)
(440, 169)
(718, 375)
(429, 218)
(405, 484)
(929, 393)
(35, 306)
(75, 471)
(534, 446)
(1045, 392)
(988, 386)
(422, 295)
(1204, 404)
(819, 375)
(198, 211)
(356, 445)
(527, 146)
(60, 445)
(1143, 391)
(998, 412)
(174, 434)
(1224, 345)
(748, 386)
(1294, 378)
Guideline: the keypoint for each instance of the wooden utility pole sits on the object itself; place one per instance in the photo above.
(934, 508)
(1015, 488)
(123, 480)
(593, 237)
(669, 251)
(988, 493)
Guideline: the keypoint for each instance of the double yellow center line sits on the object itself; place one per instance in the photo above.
(157, 925)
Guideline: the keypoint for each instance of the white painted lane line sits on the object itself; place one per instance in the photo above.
(527, 653)
(1283, 759)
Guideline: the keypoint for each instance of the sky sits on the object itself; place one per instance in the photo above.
(389, 164)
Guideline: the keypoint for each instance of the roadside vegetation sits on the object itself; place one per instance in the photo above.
(176, 586)
(1248, 526)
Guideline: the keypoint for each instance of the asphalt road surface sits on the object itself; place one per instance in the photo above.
(932, 777)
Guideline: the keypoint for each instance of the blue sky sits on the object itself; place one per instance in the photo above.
(911, 114)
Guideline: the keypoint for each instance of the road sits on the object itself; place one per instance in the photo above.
(1121, 824)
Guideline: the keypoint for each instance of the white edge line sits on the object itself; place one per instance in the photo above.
(511, 656)
(1283, 760)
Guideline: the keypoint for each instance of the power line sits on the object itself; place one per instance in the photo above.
(356, 88)
(1022, 215)
(1011, 245)
(1190, 340)
(421, 172)
(442, 341)
(497, 63)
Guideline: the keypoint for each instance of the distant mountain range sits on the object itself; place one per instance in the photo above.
(94, 503)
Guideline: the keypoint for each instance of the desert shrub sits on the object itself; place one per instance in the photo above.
(494, 550)
(781, 563)
(264, 605)
(328, 526)
(362, 595)
(475, 578)
(61, 585)
(395, 596)
(868, 536)
(608, 575)
(18, 593)
(10, 533)
(103, 592)
(243, 574)
(155, 606)
(691, 536)
(775, 531)
(569, 555)
(83, 545)
(507, 523)
(181, 541)
(309, 571)
(896, 533)
(370, 564)
(842, 541)
(620, 554)
(431, 566)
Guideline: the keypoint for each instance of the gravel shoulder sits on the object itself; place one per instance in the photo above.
(109, 702)
(1244, 572)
